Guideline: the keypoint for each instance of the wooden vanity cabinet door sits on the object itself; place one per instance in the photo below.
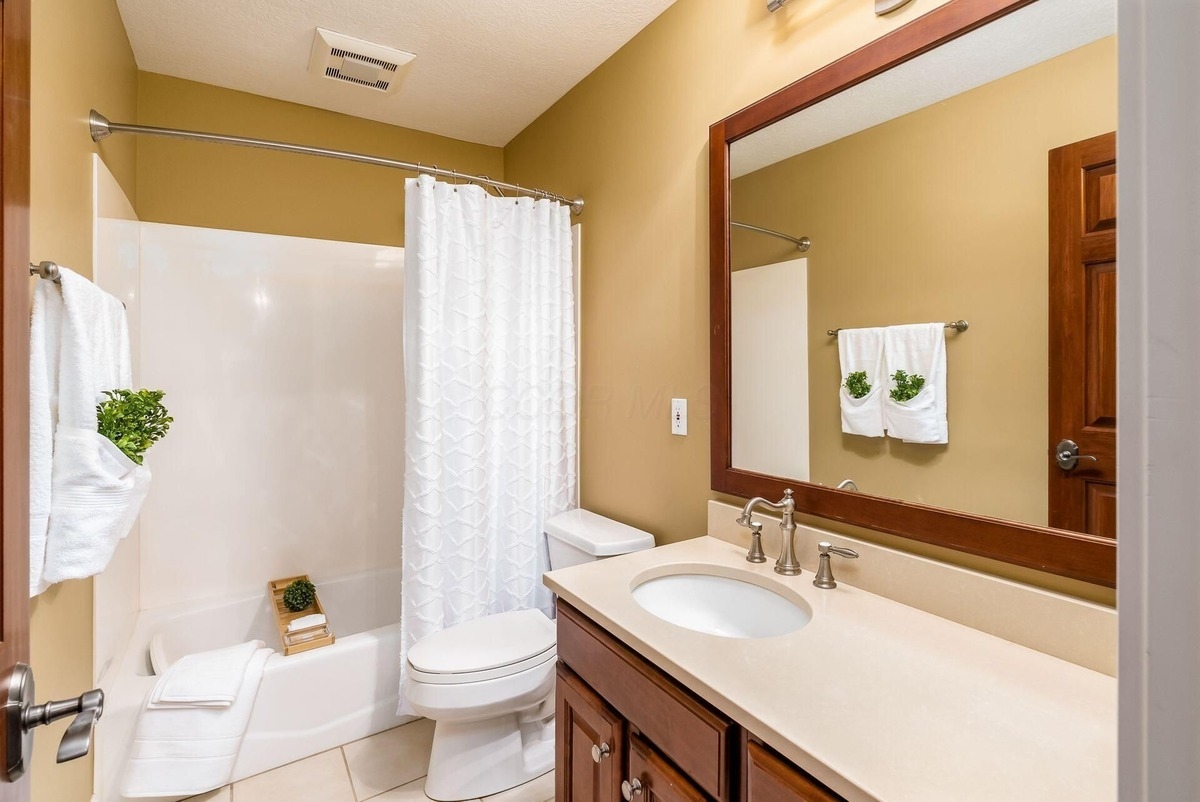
(660, 781)
(770, 778)
(582, 721)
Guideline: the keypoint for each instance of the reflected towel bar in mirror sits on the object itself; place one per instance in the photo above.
(957, 325)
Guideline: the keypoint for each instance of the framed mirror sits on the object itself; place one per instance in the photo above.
(913, 278)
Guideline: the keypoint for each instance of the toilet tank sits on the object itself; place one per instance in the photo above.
(580, 536)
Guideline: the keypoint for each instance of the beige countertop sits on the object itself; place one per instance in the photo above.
(878, 700)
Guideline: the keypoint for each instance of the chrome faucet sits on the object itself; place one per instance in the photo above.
(847, 484)
(787, 563)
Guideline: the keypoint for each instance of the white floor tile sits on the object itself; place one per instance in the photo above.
(390, 759)
(219, 795)
(412, 792)
(322, 777)
(537, 790)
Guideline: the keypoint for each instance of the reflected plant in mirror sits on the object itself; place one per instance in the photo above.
(857, 384)
(907, 387)
(976, 180)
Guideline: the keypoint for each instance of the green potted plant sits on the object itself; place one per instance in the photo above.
(299, 595)
(133, 420)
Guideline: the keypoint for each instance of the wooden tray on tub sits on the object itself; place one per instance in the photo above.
(302, 639)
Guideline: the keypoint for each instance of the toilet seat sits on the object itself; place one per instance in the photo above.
(491, 647)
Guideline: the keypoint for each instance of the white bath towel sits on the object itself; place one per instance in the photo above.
(97, 494)
(862, 350)
(95, 491)
(182, 751)
(45, 335)
(95, 352)
(205, 679)
(918, 349)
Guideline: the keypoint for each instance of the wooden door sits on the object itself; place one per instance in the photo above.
(590, 741)
(1083, 335)
(14, 357)
(769, 778)
(653, 779)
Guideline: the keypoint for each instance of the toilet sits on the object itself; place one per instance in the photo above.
(488, 684)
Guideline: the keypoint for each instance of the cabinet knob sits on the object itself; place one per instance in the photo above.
(631, 788)
(600, 752)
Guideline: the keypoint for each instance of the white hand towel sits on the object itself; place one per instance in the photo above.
(45, 335)
(918, 349)
(862, 350)
(96, 492)
(183, 751)
(205, 679)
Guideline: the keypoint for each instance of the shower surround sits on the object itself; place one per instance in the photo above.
(281, 358)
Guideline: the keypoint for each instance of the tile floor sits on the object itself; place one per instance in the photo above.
(388, 767)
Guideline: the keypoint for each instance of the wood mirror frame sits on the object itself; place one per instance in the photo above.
(1078, 556)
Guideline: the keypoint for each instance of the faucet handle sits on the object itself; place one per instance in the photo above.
(756, 554)
(826, 548)
(824, 578)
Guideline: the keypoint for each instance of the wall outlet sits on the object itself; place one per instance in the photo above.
(679, 416)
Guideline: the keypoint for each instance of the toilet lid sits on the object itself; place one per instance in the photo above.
(486, 643)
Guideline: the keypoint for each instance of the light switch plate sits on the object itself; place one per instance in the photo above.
(679, 416)
(888, 6)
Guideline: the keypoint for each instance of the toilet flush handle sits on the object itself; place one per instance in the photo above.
(600, 751)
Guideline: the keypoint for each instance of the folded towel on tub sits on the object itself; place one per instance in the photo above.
(206, 679)
(190, 747)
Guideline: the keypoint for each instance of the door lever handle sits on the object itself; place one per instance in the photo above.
(87, 709)
(1067, 455)
(21, 717)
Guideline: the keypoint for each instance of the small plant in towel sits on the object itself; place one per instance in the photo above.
(907, 386)
(299, 595)
(857, 384)
(133, 419)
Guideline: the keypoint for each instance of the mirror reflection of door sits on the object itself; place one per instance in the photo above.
(1083, 336)
(925, 193)
(768, 310)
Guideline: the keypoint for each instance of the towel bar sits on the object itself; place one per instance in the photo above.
(957, 325)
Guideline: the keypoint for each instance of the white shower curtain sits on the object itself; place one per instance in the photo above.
(490, 375)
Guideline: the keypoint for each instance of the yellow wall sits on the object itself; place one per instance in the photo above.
(632, 139)
(938, 215)
(223, 186)
(81, 59)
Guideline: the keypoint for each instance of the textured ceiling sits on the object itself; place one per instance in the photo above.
(1030, 36)
(484, 70)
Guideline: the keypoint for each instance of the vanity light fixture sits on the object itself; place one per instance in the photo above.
(887, 6)
(881, 6)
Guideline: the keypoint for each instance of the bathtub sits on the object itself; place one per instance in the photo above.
(307, 703)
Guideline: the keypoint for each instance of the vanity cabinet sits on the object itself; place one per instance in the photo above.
(621, 720)
(770, 778)
(590, 735)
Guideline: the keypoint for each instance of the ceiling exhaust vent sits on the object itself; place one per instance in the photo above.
(344, 58)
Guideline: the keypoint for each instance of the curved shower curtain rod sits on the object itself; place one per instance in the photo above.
(802, 243)
(101, 128)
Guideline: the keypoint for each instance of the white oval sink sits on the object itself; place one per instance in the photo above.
(721, 605)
